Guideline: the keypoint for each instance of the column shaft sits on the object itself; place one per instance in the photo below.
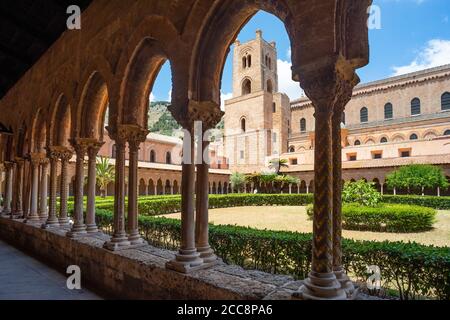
(34, 191)
(8, 188)
(91, 226)
(133, 228)
(78, 228)
(43, 213)
(19, 188)
(52, 218)
(64, 191)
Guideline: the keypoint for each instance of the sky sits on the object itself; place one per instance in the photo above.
(413, 35)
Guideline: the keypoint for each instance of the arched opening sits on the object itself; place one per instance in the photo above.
(243, 125)
(413, 137)
(291, 149)
(447, 132)
(357, 142)
(364, 115)
(302, 125)
(384, 140)
(269, 86)
(152, 156)
(176, 188)
(249, 61)
(168, 157)
(151, 187)
(167, 187)
(142, 188)
(246, 87)
(415, 107)
(159, 187)
(445, 101)
(388, 111)
(60, 124)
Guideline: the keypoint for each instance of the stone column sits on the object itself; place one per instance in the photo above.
(135, 136)
(187, 259)
(202, 206)
(156, 190)
(119, 239)
(438, 191)
(290, 188)
(327, 87)
(382, 188)
(2, 168)
(65, 155)
(34, 214)
(43, 213)
(8, 187)
(52, 218)
(93, 148)
(18, 209)
(338, 270)
(78, 227)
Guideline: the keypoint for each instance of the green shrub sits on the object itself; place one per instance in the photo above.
(440, 203)
(361, 192)
(385, 218)
(411, 269)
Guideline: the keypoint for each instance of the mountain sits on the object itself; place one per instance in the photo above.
(160, 119)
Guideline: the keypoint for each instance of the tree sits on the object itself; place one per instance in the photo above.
(277, 164)
(105, 174)
(417, 177)
(237, 181)
(361, 192)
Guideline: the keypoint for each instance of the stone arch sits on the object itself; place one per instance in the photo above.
(176, 188)
(370, 140)
(151, 187)
(38, 132)
(142, 187)
(60, 123)
(159, 187)
(429, 134)
(167, 187)
(398, 137)
(246, 87)
(92, 107)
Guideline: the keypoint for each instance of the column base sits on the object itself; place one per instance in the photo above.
(77, 231)
(92, 228)
(64, 222)
(208, 256)
(118, 242)
(136, 239)
(186, 261)
(320, 286)
(346, 283)
(31, 219)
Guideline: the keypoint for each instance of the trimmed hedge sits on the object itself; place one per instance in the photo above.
(412, 269)
(385, 217)
(440, 203)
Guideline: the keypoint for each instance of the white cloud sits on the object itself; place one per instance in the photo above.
(289, 54)
(285, 82)
(152, 97)
(223, 97)
(169, 95)
(435, 53)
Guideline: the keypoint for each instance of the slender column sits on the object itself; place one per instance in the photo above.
(326, 86)
(395, 191)
(136, 136)
(8, 187)
(438, 191)
(202, 206)
(2, 168)
(52, 218)
(94, 147)
(338, 270)
(119, 239)
(19, 188)
(43, 213)
(65, 156)
(78, 228)
(35, 161)
(290, 188)
(382, 189)
(156, 190)
(187, 257)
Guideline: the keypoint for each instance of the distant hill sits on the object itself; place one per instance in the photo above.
(161, 121)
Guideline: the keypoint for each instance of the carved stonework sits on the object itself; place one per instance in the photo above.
(59, 152)
(207, 112)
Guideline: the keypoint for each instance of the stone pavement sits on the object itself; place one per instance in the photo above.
(25, 278)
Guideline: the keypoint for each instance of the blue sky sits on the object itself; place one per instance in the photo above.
(414, 35)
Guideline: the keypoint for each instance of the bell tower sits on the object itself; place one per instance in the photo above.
(254, 66)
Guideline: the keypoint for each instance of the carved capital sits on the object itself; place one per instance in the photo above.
(207, 112)
(8, 165)
(59, 152)
(329, 83)
(35, 159)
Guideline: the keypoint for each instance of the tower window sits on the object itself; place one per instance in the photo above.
(364, 115)
(291, 149)
(384, 140)
(249, 61)
(447, 133)
(269, 86)
(243, 128)
(303, 125)
(413, 137)
(168, 158)
(244, 62)
(357, 143)
(415, 107)
(246, 87)
(445, 101)
(274, 107)
(388, 111)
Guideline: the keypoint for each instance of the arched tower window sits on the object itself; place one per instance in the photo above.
(113, 151)
(244, 62)
(384, 140)
(413, 137)
(445, 101)
(357, 143)
(303, 125)
(447, 133)
(246, 87)
(269, 86)
(388, 111)
(243, 128)
(168, 158)
(291, 149)
(152, 156)
(415, 106)
(274, 107)
(364, 115)
(249, 61)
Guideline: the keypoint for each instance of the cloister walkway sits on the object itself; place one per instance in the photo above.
(25, 278)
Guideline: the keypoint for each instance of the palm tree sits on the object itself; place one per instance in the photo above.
(105, 174)
(277, 164)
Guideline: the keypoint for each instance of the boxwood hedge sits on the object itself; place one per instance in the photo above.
(385, 218)
(413, 270)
